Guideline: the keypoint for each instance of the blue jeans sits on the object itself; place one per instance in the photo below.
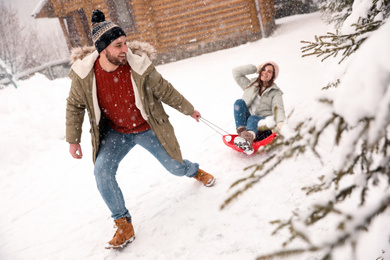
(243, 117)
(113, 148)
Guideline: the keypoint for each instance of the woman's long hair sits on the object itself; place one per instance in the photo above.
(260, 83)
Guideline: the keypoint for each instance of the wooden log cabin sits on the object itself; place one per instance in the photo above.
(178, 29)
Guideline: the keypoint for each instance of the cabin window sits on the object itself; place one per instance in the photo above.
(121, 14)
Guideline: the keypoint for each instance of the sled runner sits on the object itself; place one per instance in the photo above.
(229, 141)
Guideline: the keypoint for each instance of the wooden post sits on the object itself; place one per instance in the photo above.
(254, 16)
(88, 13)
(57, 6)
(267, 9)
(152, 25)
(65, 31)
(80, 29)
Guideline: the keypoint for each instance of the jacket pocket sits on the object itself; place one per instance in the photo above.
(162, 119)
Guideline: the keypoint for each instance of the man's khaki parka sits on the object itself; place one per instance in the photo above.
(150, 90)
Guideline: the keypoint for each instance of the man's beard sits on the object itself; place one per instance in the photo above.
(114, 60)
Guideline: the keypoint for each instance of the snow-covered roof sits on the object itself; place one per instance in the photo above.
(38, 8)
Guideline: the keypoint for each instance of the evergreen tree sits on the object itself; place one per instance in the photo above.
(292, 7)
(336, 11)
(361, 131)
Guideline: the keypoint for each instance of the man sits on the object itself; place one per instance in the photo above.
(122, 93)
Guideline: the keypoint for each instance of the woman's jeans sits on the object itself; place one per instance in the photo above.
(243, 117)
(113, 148)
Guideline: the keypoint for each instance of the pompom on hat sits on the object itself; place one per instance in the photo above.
(104, 32)
(276, 67)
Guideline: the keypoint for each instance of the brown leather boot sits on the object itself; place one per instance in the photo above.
(240, 129)
(245, 142)
(248, 136)
(207, 179)
(123, 235)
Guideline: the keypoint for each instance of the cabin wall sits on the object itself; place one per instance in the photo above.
(185, 28)
(180, 29)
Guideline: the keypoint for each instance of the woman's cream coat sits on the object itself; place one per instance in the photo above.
(270, 101)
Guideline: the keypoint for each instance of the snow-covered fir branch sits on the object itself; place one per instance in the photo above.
(362, 21)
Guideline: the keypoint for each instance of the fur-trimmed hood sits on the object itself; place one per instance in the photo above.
(139, 57)
(136, 47)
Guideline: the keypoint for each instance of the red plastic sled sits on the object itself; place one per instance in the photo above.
(256, 144)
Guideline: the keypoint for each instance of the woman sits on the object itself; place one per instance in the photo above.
(261, 98)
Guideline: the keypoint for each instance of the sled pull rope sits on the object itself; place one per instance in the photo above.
(213, 126)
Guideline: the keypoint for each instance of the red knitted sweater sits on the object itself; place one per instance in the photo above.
(117, 101)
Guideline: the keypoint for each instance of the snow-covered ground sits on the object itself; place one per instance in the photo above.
(51, 209)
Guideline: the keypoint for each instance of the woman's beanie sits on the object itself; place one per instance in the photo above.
(104, 32)
(276, 67)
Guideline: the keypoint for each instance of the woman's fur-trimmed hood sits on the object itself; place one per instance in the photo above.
(136, 47)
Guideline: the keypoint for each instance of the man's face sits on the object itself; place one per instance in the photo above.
(116, 51)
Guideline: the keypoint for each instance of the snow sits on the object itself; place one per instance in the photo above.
(360, 9)
(38, 8)
(268, 122)
(51, 208)
(367, 96)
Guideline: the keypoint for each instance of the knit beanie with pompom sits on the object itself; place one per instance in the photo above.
(104, 32)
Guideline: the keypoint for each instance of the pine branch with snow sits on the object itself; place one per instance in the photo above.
(336, 11)
(332, 44)
(353, 33)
